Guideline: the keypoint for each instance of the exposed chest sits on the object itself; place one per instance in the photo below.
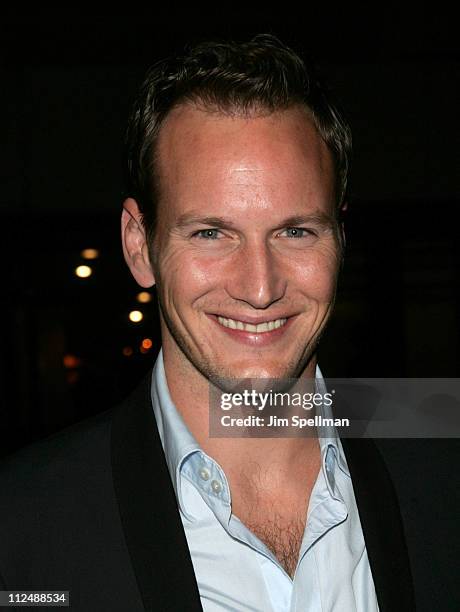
(279, 522)
(281, 533)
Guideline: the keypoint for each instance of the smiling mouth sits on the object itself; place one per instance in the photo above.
(260, 328)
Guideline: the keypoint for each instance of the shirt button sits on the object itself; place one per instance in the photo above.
(216, 486)
(204, 473)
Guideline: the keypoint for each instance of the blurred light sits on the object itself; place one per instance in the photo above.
(83, 271)
(146, 344)
(71, 361)
(127, 351)
(90, 253)
(135, 316)
(144, 297)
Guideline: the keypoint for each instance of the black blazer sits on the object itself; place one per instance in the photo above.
(92, 510)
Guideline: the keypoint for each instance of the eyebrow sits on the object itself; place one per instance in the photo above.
(319, 218)
(188, 219)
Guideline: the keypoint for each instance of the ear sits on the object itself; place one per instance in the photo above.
(135, 248)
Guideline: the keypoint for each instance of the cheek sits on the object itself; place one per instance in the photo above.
(184, 278)
(317, 277)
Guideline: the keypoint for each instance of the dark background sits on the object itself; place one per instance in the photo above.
(67, 86)
(67, 83)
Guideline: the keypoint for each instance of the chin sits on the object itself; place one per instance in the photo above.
(262, 372)
(258, 369)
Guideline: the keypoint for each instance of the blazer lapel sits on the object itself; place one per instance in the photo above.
(154, 533)
(150, 517)
(382, 525)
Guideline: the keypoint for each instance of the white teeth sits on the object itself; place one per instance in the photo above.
(260, 328)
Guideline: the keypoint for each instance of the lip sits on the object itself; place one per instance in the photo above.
(254, 338)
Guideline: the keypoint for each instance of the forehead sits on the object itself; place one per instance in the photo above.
(215, 156)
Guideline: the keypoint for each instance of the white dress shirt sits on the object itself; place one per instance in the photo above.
(234, 569)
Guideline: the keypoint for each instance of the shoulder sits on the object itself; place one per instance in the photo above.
(60, 526)
(83, 448)
(57, 481)
(55, 458)
(424, 473)
(57, 505)
(71, 464)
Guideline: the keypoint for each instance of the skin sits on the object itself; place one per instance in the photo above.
(252, 174)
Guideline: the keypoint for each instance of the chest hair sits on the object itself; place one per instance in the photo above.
(277, 520)
(282, 535)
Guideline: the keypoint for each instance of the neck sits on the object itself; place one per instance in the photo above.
(189, 391)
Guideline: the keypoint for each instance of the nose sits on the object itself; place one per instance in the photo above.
(256, 276)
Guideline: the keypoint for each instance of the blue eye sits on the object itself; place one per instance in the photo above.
(207, 234)
(297, 232)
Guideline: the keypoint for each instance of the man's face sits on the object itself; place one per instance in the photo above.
(246, 253)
